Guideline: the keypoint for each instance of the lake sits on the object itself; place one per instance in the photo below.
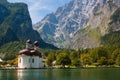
(61, 74)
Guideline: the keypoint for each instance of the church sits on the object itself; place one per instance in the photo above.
(30, 57)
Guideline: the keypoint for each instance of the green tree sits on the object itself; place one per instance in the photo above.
(102, 61)
(50, 58)
(118, 60)
(110, 62)
(63, 59)
(85, 59)
(76, 62)
(94, 55)
(99, 52)
(74, 55)
(115, 54)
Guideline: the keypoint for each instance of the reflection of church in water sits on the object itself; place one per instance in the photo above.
(30, 57)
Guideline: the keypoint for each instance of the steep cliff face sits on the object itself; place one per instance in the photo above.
(100, 23)
(15, 24)
(80, 22)
(65, 22)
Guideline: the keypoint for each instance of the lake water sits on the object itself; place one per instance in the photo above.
(61, 74)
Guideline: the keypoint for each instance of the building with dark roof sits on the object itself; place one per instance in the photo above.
(30, 57)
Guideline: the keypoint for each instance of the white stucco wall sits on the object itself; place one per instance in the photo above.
(42, 63)
(35, 64)
(24, 61)
(28, 62)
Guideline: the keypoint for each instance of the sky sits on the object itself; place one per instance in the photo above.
(40, 8)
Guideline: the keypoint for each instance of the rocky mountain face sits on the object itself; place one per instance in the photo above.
(100, 24)
(16, 24)
(62, 24)
(78, 24)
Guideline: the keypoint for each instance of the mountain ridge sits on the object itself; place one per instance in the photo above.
(75, 16)
(16, 24)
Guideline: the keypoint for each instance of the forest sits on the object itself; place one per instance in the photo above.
(100, 56)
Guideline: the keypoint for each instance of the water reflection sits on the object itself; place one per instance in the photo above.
(8, 75)
(58, 74)
(48, 74)
(29, 74)
(61, 74)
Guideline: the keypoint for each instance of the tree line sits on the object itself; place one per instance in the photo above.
(97, 56)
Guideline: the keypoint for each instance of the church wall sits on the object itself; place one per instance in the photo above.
(41, 63)
(25, 61)
(35, 62)
(30, 62)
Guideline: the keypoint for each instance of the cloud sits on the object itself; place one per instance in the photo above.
(39, 8)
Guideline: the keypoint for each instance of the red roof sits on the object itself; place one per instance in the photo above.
(30, 52)
(36, 43)
(29, 41)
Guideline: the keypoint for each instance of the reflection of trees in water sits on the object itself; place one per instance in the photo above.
(61, 74)
(49, 74)
(58, 74)
(8, 75)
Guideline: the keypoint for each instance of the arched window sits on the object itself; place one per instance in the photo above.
(33, 60)
(20, 60)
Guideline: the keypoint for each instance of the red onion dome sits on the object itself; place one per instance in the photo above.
(29, 41)
(36, 43)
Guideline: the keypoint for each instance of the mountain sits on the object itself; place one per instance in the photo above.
(78, 24)
(113, 37)
(62, 24)
(101, 23)
(16, 24)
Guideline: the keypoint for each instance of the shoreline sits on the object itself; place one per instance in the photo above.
(16, 68)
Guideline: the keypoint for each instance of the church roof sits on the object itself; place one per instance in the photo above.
(29, 41)
(36, 43)
(30, 52)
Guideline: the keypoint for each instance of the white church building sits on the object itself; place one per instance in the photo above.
(30, 57)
